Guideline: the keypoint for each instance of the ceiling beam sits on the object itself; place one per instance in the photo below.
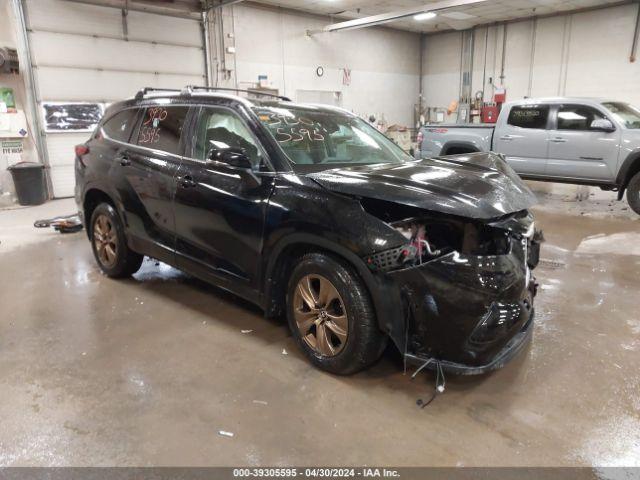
(395, 15)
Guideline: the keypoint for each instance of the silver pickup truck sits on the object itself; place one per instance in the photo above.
(571, 140)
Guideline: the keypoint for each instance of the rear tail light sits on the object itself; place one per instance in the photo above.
(420, 137)
(81, 150)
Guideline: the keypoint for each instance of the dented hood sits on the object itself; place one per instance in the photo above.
(478, 185)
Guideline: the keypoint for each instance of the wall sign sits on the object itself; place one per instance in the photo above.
(11, 147)
(72, 116)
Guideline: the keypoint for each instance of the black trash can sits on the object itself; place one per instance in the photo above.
(28, 178)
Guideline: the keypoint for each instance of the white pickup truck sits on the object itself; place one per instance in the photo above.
(571, 140)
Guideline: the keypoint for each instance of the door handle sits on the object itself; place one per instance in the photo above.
(506, 137)
(187, 181)
(124, 161)
(559, 140)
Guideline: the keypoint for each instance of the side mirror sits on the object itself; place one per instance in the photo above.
(603, 125)
(238, 161)
(234, 157)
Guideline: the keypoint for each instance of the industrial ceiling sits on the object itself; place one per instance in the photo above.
(459, 18)
(462, 14)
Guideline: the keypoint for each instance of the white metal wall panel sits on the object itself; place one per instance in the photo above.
(68, 84)
(61, 158)
(81, 54)
(54, 49)
(61, 16)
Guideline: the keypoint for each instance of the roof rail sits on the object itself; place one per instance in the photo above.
(142, 92)
(190, 88)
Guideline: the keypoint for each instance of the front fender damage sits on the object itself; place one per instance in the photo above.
(462, 290)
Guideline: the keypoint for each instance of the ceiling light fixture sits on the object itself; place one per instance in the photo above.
(424, 16)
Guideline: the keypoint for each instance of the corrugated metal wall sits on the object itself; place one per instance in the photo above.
(81, 54)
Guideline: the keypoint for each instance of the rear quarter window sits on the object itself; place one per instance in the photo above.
(533, 116)
(120, 126)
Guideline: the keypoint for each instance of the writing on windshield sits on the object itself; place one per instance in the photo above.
(312, 136)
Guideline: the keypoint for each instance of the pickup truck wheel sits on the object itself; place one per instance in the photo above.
(331, 316)
(109, 244)
(633, 193)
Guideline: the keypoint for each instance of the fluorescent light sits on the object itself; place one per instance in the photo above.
(424, 16)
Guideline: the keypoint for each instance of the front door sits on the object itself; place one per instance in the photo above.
(219, 216)
(522, 138)
(578, 151)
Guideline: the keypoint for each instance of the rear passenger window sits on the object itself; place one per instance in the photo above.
(534, 116)
(162, 127)
(120, 125)
(577, 117)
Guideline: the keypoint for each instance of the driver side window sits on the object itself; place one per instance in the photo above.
(219, 128)
(577, 117)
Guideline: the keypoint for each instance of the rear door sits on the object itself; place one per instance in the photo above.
(219, 217)
(578, 151)
(144, 173)
(522, 137)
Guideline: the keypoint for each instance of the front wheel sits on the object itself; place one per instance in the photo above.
(109, 244)
(633, 193)
(331, 316)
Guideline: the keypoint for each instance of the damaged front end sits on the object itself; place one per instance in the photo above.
(465, 287)
(451, 245)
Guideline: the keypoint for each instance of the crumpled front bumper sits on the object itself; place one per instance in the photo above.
(513, 347)
(472, 313)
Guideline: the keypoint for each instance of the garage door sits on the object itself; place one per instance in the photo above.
(81, 55)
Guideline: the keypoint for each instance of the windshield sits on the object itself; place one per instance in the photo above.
(626, 114)
(318, 137)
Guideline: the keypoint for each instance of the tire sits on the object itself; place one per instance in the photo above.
(633, 193)
(332, 343)
(109, 244)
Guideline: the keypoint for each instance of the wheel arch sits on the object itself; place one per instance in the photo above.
(282, 261)
(630, 167)
(92, 198)
(468, 147)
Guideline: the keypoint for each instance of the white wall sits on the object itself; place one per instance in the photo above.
(581, 54)
(15, 82)
(82, 54)
(441, 69)
(384, 63)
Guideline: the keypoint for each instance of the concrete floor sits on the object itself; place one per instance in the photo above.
(147, 371)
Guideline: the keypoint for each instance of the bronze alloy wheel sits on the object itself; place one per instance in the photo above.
(320, 315)
(105, 241)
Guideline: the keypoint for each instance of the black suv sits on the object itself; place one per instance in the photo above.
(308, 210)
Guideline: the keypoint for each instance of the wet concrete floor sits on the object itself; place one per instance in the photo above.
(147, 371)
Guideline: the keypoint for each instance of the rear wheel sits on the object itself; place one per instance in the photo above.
(633, 193)
(331, 316)
(109, 244)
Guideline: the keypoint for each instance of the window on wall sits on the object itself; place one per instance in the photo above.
(577, 117)
(119, 126)
(221, 129)
(529, 116)
(162, 127)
